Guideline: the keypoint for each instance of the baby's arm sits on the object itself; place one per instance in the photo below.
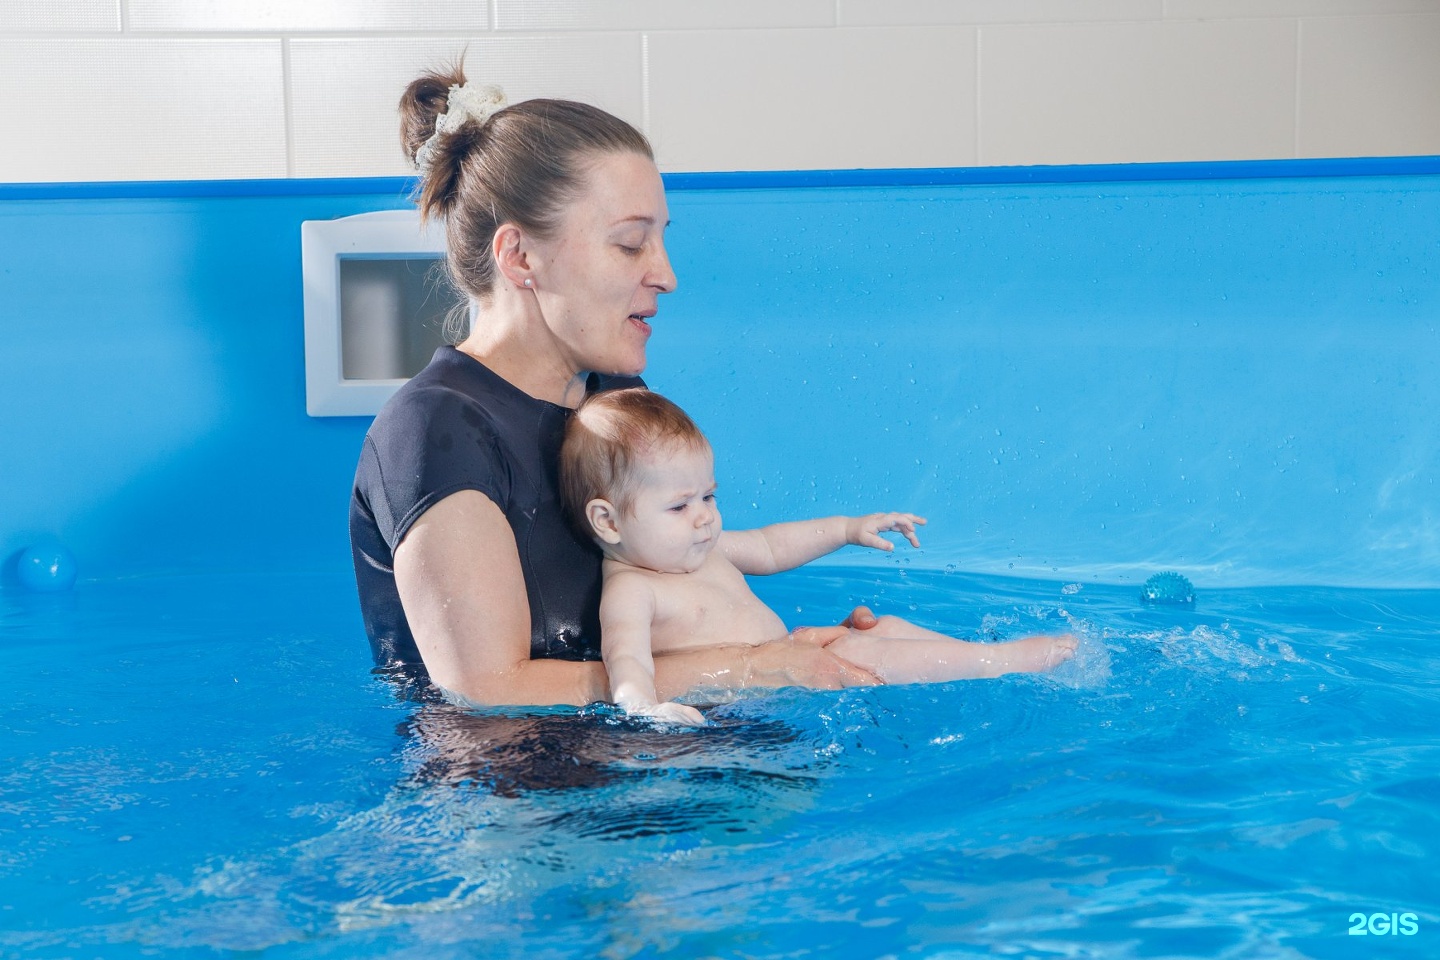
(627, 609)
(785, 546)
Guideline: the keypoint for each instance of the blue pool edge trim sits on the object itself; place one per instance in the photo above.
(402, 187)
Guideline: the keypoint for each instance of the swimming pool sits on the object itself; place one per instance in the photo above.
(1081, 376)
(205, 767)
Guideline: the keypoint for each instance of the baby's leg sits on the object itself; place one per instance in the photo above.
(897, 651)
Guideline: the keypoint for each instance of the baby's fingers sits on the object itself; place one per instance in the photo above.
(675, 713)
(903, 523)
(869, 538)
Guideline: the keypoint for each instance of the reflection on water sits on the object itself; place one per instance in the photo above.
(507, 755)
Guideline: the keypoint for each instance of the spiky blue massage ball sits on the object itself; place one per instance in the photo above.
(1168, 588)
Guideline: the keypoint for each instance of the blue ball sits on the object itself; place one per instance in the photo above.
(47, 567)
(1168, 588)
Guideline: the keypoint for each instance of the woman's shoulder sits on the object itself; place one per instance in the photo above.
(452, 387)
(438, 434)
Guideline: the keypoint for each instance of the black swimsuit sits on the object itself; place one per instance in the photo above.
(457, 426)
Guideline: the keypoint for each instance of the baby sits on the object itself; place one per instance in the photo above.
(638, 476)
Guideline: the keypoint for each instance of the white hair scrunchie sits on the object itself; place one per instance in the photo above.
(472, 101)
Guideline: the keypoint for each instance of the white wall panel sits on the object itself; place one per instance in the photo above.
(726, 84)
(808, 99)
(344, 93)
(302, 15)
(1370, 86)
(141, 109)
(1120, 93)
(661, 14)
(44, 16)
(936, 12)
(1237, 9)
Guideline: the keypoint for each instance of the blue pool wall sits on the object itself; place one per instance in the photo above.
(1080, 373)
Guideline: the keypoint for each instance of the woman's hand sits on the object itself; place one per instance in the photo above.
(801, 660)
(865, 531)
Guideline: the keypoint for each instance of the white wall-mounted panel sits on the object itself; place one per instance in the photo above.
(1239, 9)
(661, 14)
(141, 109)
(48, 16)
(303, 15)
(354, 363)
(1124, 93)
(959, 12)
(345, 93)
(813, 99)
(1370, 86)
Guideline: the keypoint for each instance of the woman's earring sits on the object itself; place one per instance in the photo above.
(529, 282)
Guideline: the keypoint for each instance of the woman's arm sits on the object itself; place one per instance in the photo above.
(785, 546)
(459, 578)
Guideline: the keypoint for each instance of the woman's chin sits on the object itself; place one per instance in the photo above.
(629, 368)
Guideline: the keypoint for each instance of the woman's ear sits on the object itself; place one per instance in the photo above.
(509, 250)
(604, 519)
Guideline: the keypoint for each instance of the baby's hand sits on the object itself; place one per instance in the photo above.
(670, 713)
(865, 531)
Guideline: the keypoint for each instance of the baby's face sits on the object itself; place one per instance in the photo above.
(673, 523)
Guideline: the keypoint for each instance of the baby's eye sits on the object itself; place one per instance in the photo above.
(709, 498)
(678, 508)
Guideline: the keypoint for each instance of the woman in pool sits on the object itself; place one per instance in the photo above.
(468, 573)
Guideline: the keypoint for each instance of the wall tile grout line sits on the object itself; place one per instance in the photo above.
(645, 86)
(979, 118)
(1299, 78)
(287, 96)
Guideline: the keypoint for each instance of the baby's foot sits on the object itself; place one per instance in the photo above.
(1035, 654)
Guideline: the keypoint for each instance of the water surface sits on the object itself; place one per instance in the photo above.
(205, 767)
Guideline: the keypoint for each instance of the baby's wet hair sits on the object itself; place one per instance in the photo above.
(609, 437)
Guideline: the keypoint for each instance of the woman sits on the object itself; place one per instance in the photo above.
(468, 572)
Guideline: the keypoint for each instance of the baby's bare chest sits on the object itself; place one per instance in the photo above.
(712, 606)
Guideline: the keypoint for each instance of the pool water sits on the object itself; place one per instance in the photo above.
(205, 767)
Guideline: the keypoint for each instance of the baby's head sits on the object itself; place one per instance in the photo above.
(638, 477)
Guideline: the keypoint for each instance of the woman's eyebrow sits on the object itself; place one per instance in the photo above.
(638, 218)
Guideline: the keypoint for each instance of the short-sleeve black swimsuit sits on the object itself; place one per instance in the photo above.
(458, 426)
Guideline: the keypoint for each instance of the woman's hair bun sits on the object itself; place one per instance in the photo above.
(422, 103)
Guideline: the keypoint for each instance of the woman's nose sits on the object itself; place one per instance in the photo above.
(661, 276)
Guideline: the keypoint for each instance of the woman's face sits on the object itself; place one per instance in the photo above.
(598, 280)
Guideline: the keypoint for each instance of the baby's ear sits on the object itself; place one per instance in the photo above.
(604, 520)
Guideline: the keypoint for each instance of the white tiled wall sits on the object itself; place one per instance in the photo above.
(794, 99)
(344, 92)
(1118, 92)
(167, 89)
